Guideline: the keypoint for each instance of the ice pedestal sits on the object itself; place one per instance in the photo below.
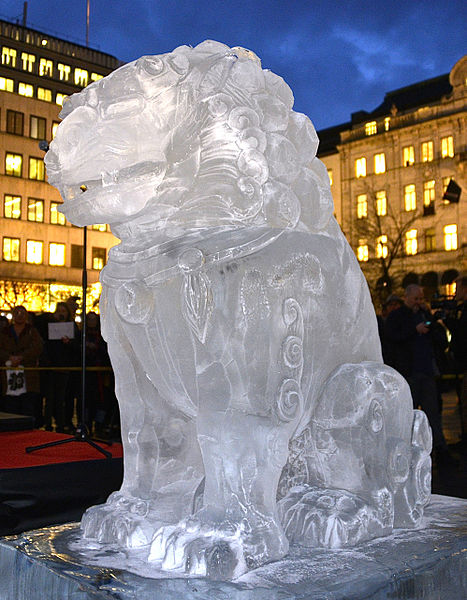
(429, 563)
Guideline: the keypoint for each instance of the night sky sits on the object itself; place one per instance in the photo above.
(338, 57)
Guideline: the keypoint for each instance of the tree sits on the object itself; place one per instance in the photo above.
(34, 296)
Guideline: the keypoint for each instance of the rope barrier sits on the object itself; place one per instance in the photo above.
(21, 368)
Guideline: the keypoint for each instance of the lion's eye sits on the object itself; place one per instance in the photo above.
(83, 187)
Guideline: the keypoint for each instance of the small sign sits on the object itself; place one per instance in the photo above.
(16, 382)
(57, 331)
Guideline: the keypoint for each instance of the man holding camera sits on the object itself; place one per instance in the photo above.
(409, 333)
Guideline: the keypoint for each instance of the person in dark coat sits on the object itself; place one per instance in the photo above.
(408, 332)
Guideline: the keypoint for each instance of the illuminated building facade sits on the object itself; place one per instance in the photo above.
(398, 173)
(41, 253)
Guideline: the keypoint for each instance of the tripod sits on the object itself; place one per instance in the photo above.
(81, 433)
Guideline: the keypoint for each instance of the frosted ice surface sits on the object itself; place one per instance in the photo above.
(255, 407)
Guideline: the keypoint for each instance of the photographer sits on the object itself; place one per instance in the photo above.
(456, 322)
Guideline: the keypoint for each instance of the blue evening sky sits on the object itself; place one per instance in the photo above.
(338, 57)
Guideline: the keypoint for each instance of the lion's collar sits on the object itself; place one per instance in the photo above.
(185, 254)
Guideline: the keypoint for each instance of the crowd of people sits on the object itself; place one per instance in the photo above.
(52, 394)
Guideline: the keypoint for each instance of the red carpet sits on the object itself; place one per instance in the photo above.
(13, 446)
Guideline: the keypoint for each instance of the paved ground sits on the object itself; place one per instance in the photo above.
(451, 480)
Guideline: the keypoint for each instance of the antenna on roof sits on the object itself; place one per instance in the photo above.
(87, 23)
(25, 13)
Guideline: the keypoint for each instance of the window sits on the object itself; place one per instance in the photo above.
(362, 251)
(44, 94)
(411, 245)
(446, 181)
(447, 147)
(96, 76)
(387, 123)
(360, 167)
(380, 163)
(34, 252)
(56, 218)
(76, 256)
(99, 227)
(408, 156)
(427, 151)
(81, 77)
(11, 249)
(371, 128)
(430, 240)
(25, 89)
(46, 67)
(56, 254)
(381, 203)
(6, 84)
(12, 207)
(331, 180)
(13, 164)
(64, 71)
(410, 197)
(382, 246)
(362, 206)
(450, 237)
(429, 197)
(37, 128)
(28, 61)
(54, 128)
(98, 258)
(15, 122)
(35, 210)
(8, 56)
(60, 98)
(36, 169)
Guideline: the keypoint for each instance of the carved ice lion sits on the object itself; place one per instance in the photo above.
(255, 407)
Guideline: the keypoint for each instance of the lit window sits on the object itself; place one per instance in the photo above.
(96, 76)
(447, 147)
(35, 210)
(408, 156)
(360, 167)
(98, 258)
(60, 98)
(64, 71)
(81, 77)
(15, 122)
(8, 56)
(56, 254)
(410, 197)
(36, 169)
(371, 128)
(28, 61)
(380, 163)
(46, 67)
(362, 251)
(54, 128)
(381, 203)
(25, 89)
(56, 218)
(44, 94)
(362, 206)
(446, 181)
(427, 151)
(6, 84)
(13, 164)
(99, 227)
(34, 252)
(430, 240)
(382, 246)
(12, 207)
(331, 180)
(428, 192)
(387, 123)
(450, 237)
(37, 128)
(411, 245)
(11, 249)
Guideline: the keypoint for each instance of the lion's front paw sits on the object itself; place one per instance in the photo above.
(200, 549)
(122, 520)
(334, 518)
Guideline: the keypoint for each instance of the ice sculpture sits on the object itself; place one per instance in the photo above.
(255, 406)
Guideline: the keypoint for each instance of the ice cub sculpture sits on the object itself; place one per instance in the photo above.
(255, 407)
